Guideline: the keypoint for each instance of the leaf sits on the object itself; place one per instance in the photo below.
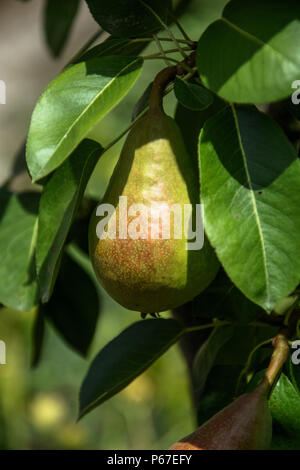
(58, 206)
(246, 58)
(283, 442)
(74, 306)
(242, 342)
(142, 103)
(191, 122)
(285, 405)
(38, 333)
(205, 357)
(250, 188)
(223, 300)
(58, 19)
(294, 109)
(126, 357)
(71, 105)
(18, 229)
(113, 46)
(131, 18)
(191, 95)
(79, 233)
(219, 391)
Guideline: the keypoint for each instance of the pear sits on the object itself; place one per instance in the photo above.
(141, 266)
(245, 424)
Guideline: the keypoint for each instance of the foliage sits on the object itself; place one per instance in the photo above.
(249, 179)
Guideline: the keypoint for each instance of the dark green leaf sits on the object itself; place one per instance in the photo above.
(191, 123)
(126, 357)
(192, 96)
(219, 391)
(113, 46)
(78, 234)
(285, 405)
(38, 332)
(72, 104)
(205, 357)
(250, 188)
(223, 300)
(142, 103)
(244, 339)
(251, 54)
(293, 108)
(18, 230)
(58, 19)
(131, 18)
(74, 306)
(283, 442)
(58, 206)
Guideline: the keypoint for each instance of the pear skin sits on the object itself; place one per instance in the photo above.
(245, 424)
(152, 274)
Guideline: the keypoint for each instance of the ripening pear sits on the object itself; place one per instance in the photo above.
(140, 260)
(245, 424)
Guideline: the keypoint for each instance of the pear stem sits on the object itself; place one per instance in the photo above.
(162, 79)
(279, 357)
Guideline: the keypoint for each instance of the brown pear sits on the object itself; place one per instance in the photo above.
(141, 266)
(245, 424)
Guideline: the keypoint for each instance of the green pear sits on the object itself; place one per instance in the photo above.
(245, 424)
(141, 265)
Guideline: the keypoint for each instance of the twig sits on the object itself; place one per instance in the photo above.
(169, 51)
(161, 50)
(184, 34)
(184, 41)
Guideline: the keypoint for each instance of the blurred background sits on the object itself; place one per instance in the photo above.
(38, 407)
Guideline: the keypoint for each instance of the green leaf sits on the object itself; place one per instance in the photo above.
(38, 333)
(250, 188)
(191, 95)
(58, 206)
(79, 232)
(131, 18)
(142, 103)
(285, 405)
(205, 357)
(18, 229)
(113, 46)
(191, 122)
(223, 300)
(71, 105)
(251, 54)
(58, 19)
(126, 357)
(283, 442)
(219, 391)
(244, 339)
(74, 306)
(293, 108)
